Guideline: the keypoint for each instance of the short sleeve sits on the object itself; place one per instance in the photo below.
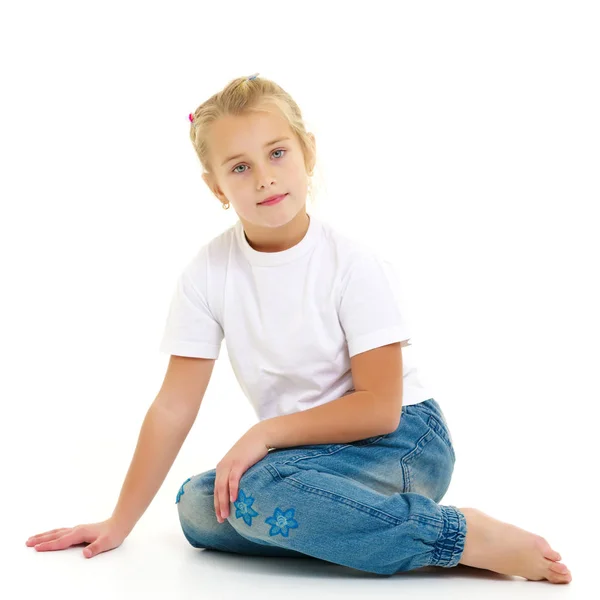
(191, 329)
(370, 309)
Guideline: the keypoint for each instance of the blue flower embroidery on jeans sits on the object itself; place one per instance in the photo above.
(282, 522)
(243, 508)
(181, 490)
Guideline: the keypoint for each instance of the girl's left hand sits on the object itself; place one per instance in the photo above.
(247, 451)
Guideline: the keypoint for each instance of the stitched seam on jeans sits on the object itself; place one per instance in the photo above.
(340, 499)
(416, 451)
(368, 441)
(348, 501)
(337, 448)
(435, 425)
(298, 457)
(419, 446)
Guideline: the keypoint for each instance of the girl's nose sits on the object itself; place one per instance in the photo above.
(264, 179)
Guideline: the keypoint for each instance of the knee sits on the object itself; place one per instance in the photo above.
(195, 498)
(243, 511)
(260, 511)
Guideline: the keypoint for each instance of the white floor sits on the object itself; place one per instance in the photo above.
(156, 561)
(160, 564)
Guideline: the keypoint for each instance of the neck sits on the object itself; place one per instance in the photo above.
(278, 239)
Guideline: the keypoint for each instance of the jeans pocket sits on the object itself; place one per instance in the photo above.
(427, 468)
(431, 412)
(440, 427)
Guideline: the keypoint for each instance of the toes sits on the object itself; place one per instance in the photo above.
(559, 568)
(560, 578)
(558, 573)
(547, 550)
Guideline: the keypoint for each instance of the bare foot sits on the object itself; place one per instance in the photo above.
(507, 549)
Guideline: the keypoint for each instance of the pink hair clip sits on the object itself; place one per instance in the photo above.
(191, 118)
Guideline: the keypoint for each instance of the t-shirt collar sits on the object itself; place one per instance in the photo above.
(269, 259)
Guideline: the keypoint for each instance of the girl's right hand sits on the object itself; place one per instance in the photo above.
(101, 537)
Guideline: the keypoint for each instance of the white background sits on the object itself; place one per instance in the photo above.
(461, 139)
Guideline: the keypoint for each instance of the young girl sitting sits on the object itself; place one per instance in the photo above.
(351, 455)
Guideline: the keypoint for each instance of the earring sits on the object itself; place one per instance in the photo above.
(226, 205)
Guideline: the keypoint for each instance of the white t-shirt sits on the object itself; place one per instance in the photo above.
(291, 320)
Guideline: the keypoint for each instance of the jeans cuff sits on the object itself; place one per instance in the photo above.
(451, 543)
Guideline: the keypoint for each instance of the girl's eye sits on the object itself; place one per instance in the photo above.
(278, 150)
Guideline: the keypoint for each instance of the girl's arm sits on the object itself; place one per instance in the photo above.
(165, 427)
(374, 409)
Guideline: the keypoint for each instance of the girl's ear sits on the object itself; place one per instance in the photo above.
(213, 187)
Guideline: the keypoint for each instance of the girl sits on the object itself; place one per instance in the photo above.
(351, 455)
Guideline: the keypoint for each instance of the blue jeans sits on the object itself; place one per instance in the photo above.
(370, 505)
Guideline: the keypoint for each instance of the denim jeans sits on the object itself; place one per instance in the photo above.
(370, 505)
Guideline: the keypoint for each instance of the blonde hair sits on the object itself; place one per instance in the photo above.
(243, 95)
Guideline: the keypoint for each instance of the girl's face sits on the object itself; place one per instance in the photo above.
(253, 157)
